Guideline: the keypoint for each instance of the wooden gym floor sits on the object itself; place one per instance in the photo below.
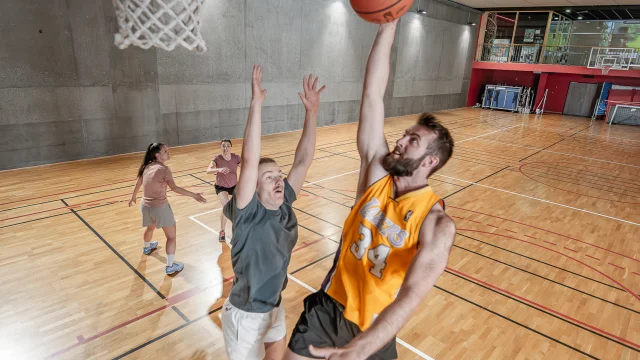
(545, 264)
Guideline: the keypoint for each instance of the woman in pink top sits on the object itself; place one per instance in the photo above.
(225, 166)
(155, 208)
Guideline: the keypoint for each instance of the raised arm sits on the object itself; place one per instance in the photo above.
(307, 143)
(436, 238)
(250, 158)
(372, 144)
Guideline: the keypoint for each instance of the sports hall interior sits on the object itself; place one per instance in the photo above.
(543, 185)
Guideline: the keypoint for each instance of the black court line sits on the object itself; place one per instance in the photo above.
(585, 176)
(71, 197)
(562, 179)
(320, 196)
(314, 216)
(589, 173)
(541, 150)
(116, 252)
(476, 182)
(577, 132)
(542, 262)
(466, 159)
(542, 310)
(304, 227)
(320, 147)
(334, 191)
(547, 279)
(182, 315)
(56, 215)
(515, 322)
(77, 196)
(160, 337)
(204, 181)
(313, 263)
(152, 341)
(342, 154)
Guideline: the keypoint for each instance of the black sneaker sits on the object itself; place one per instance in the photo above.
(221, 237)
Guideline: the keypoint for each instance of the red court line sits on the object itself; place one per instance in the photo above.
(62, 207)
(549, 231)
(619, 267)
(545, 308)
(83, 203)
(493, 226)
(570, 249)
(593, 257)
(530, 236)
(86, 188)
(635, 273)
(550, 243)
(462, 218)
(511, 231)
(561, 254)
(172, 300)
(314, 241)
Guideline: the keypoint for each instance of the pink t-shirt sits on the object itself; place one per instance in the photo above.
(231, 179)
(155, 179)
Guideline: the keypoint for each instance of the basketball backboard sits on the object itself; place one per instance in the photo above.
(612, 58)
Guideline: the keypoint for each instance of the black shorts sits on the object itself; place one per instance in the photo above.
(322, 324)
(220, 189)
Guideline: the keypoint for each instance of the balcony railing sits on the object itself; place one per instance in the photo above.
(538, 54)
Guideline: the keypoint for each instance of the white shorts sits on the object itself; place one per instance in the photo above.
(245, 333)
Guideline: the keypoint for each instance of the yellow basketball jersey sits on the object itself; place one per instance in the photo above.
(379, 241)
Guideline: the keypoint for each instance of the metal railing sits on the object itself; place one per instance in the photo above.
(537, 54)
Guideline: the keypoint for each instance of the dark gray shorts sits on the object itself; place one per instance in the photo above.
(162, 216)
(322, 324)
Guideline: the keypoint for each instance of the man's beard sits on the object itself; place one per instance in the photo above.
(401, 166)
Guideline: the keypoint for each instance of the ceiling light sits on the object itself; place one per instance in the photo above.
(568, 11)
(580, 18)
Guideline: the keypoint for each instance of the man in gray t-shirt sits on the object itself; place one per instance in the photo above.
(265, 231)
(260, 250)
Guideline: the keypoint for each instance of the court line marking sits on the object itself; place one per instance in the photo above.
(493, 132)
(636, 296)
(509, 192)
(398, 340)
(293, 278)
(329, 178)
(561, 153)
(542, 200)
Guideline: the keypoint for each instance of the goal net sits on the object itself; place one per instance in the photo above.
(625, 115)
(161, 23)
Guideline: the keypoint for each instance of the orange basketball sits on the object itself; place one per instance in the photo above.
(380, 11)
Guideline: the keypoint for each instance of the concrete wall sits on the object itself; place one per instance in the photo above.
(66, 92)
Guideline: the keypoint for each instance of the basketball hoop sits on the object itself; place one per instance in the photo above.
(160, 23)
(605, 69)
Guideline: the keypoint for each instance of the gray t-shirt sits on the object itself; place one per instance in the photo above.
(260, 251)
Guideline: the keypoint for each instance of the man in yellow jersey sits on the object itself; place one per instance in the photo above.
(396, 240)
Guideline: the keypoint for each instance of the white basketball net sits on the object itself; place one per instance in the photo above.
(161, 23)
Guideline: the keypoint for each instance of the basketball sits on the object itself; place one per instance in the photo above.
(380, 11)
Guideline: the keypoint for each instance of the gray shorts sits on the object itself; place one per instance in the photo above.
(162, 216)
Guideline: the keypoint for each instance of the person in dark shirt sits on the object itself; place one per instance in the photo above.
(265, 231)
